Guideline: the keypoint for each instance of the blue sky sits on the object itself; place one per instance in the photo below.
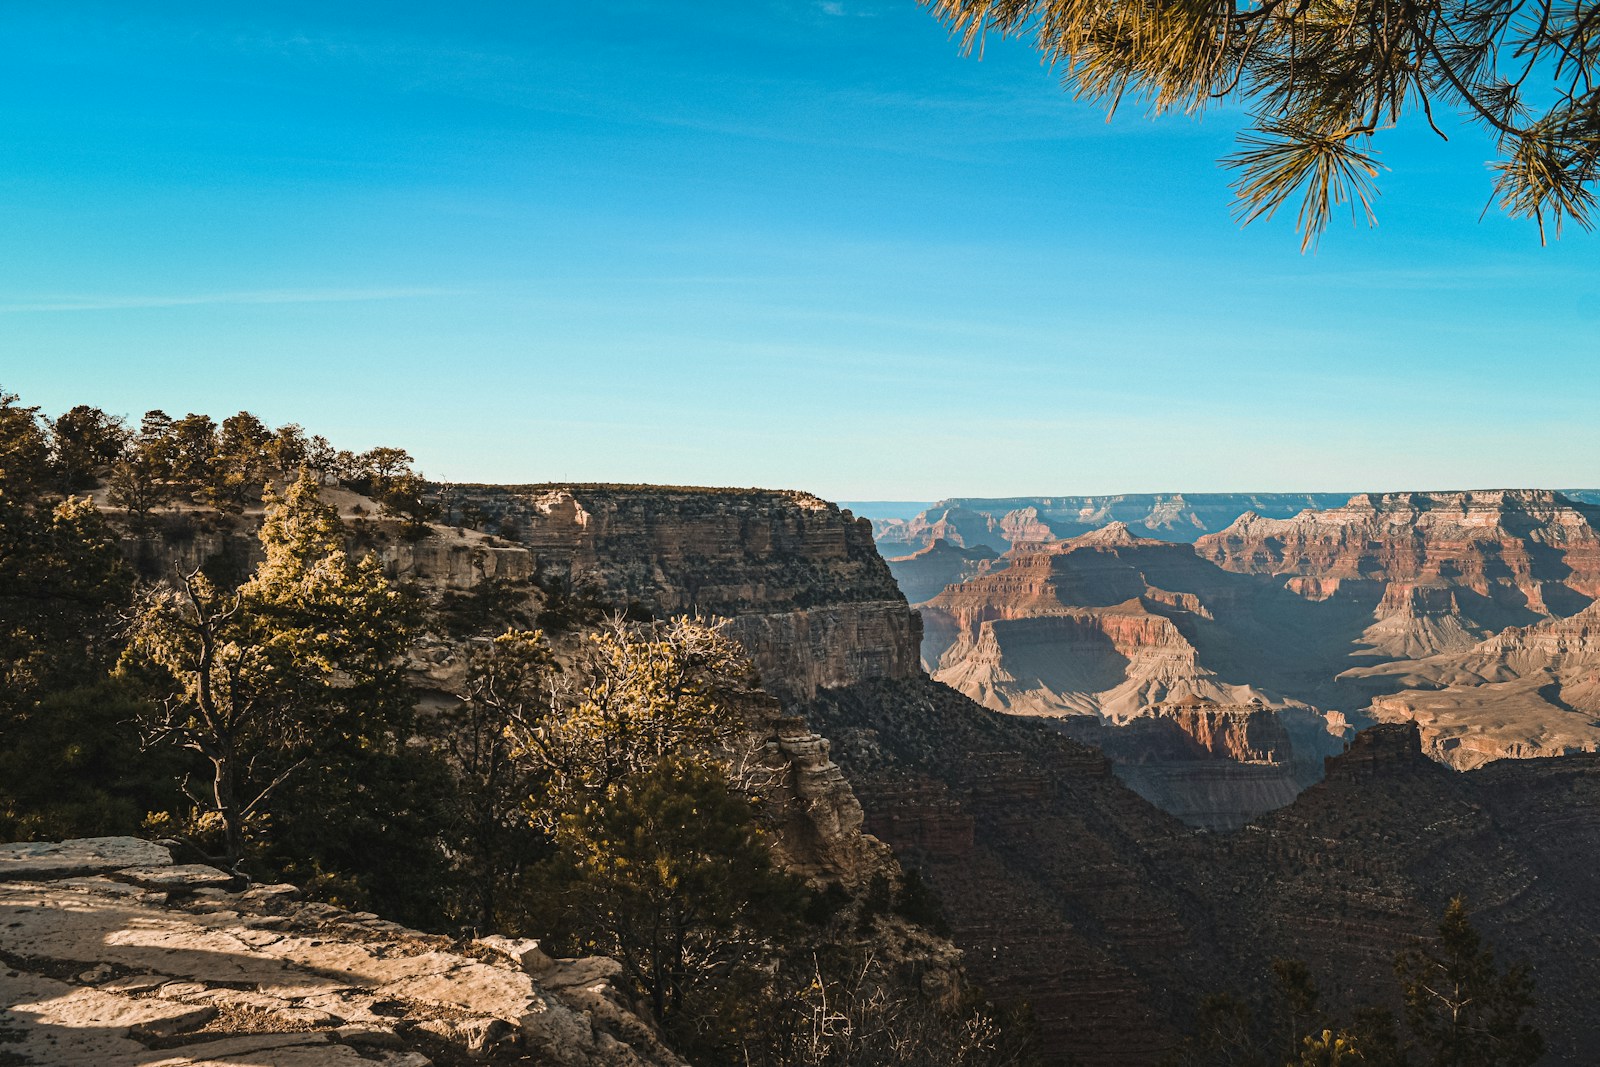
(742, 242)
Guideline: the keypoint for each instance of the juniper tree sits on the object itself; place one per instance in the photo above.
(1322, 78)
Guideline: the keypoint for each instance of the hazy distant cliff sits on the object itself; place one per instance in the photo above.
(1003, 521)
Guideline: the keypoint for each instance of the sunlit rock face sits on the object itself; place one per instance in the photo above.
(1453, 568)
(152, 963)
(808, 595)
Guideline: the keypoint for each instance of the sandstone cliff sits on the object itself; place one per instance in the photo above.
(111, 954)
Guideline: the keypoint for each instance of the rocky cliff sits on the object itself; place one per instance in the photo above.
(1461, 611)
(808, 595)
(1454, 568)
(1528, 691)
(1110, 624)
(112, 954)
(799, 580)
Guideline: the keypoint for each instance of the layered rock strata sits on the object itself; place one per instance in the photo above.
(1526, 692)
(799, 580)
(112, 955)
(806, 592)
(1453, 568)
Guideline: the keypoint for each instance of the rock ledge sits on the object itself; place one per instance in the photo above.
(111, 955)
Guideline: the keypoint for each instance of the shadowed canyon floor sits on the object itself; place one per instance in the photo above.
(1112, 919)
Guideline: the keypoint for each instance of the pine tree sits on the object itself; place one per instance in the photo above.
(1463, 1010)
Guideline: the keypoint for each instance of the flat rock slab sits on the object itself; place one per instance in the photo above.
(176, 877)
(116, 957)
(48, 861)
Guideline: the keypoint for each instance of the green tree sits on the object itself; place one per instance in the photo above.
(646, 692)
(1330, 1049)
(61, 583)
(141, 478)
(1322, 78)
(239, 467)
(507, 685)
(669, 875)
(63, 751)
(24, 449)
(85, 441)
(1463, 1010)
(191, 449)
(287, 451)
(304, 654)
(1296, 1003)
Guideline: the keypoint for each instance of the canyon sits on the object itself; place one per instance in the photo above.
(1061, 838)
(1468, 613)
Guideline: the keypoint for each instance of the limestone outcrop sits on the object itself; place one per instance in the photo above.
(177, 965)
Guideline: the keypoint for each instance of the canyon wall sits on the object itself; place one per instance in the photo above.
(1453, 568)
(799, 580)
(924, 573)
(1462, 611)
(808, 595)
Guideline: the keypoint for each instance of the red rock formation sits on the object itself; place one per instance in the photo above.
(1456, 567)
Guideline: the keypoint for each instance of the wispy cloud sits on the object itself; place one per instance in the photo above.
(263, 296)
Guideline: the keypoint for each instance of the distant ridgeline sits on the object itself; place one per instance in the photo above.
(999, 522)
